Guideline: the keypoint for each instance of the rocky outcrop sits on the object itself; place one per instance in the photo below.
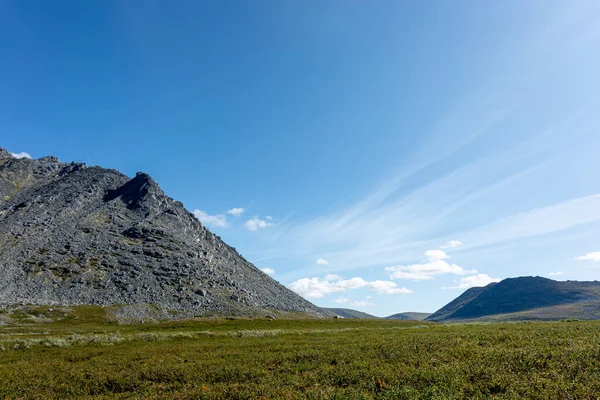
(72, 234)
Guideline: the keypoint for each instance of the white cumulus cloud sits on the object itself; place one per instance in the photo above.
(387, 287)
(236, 212)
(268, 271)
(434, 265)
(356, 303)
(256, 223)
(474, 281)
(452, 244)
(557, 273)
(219, 221)
(322, 261)
(595, 256)
(317, 287)
(435, 255)
(21, 155)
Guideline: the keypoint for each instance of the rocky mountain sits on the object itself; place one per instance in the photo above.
(525, 298)
(409, 316)
(448, 310)
(72, 234)
(349, 313)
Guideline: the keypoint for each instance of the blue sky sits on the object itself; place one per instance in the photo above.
(386, 155)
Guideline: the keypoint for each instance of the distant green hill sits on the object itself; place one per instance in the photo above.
(348, 313)
(447, 311)
(523, 299)
(409, 316)
(579, 310)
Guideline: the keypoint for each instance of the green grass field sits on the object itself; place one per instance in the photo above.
(84, 356)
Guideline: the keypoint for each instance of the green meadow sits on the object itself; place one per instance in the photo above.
(81, 354)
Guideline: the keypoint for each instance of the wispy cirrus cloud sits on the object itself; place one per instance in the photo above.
(539, 221)
(392, 224)
(474, 177)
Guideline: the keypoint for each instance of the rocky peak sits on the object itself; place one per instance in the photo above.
(141, 193)
(48, 159)
(4, 154)
(72, 234)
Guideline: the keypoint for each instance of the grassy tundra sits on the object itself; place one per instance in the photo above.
(82, 355)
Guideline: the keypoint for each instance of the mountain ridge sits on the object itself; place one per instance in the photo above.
(523, 296)
(72, 234)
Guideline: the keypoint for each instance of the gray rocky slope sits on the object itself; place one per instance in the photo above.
(72, 234)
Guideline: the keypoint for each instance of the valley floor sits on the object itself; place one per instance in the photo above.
(304, 358)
